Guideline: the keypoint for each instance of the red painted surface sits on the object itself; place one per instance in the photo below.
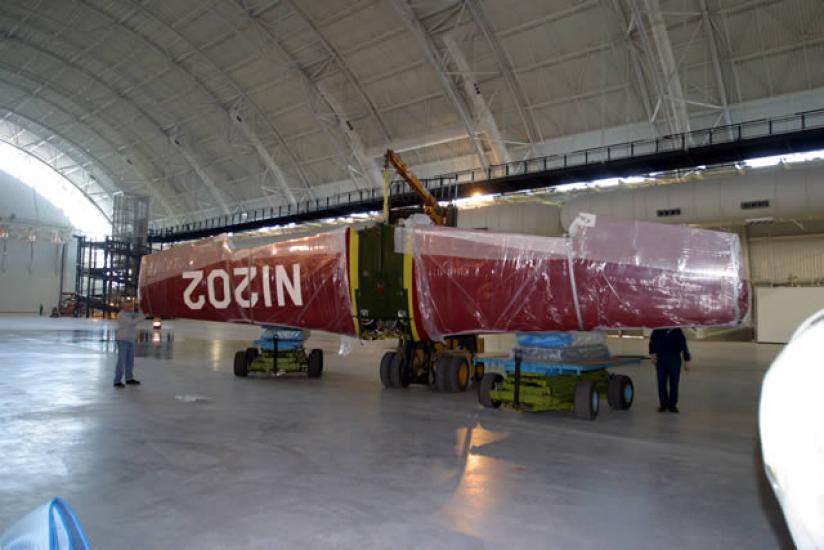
(626, 275)
(320, 294)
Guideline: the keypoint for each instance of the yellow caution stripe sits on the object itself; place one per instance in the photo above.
(354, 276)
(408, 285)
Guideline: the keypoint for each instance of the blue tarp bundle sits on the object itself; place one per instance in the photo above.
(283, 333)
(545, 340)
(283, 345)
(560, 339)
(52, 526)
(288, 338)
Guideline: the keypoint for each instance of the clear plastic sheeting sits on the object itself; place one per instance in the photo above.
(566, 354)
(347, 344)
(609, 273)
(299, 283)
(51, 526)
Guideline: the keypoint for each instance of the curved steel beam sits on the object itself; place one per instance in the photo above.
(262, 152)
(70, 96)
(25, 123)
(507, 70)
(99, 162)
(499, 154)
(343, 67)
(217, 196)
(82, 191)
(427, 46)
(356, 146)
(712, 44)
(89, 110)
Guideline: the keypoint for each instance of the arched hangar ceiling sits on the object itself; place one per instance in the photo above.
(213, 105)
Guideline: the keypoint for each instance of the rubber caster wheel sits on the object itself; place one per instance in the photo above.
(587, 400)
(488, 382)
(620, 392)
(241, 365)
(443, 368)
(315, 367)
(459, 374)
(397, 371)
(386, 362)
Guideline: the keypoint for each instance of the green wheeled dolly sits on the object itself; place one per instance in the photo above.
(536, 387)
(279, 356)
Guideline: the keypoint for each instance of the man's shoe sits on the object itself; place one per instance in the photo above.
(672, 409)
(133, 382)
(119, 385)
(662, 409)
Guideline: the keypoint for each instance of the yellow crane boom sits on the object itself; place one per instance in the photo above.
(437, 213)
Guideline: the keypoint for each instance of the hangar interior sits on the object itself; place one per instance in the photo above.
(134, 128)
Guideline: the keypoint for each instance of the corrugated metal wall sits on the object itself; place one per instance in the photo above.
(786, 260)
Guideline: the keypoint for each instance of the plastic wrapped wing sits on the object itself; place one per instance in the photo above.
(301, 282)
(609, 273)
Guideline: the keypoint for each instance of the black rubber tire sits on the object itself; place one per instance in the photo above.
(443, 368)
(584, 392)
(397, 371)
(489, 380)
(386, 362)
(315, 367)
(616, 392)
(252, 353)
(612, 391)
(624, 402)
(455, 382)
(478, 372)
(241, 364)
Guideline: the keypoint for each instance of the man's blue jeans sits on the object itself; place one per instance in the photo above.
(669, 370)
(125, 360)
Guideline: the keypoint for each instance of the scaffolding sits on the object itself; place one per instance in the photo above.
(108, 270)
(130, 218)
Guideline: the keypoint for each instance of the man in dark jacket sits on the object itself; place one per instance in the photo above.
(665, 349)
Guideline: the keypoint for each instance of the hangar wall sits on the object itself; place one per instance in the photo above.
(788, 260)
(30, 270)
(777, 193)
(531, 218)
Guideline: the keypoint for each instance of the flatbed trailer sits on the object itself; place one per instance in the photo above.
(537, 386)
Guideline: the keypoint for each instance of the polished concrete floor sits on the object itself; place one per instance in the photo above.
(195, 458)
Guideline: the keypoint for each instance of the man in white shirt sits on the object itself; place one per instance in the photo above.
(127, 321)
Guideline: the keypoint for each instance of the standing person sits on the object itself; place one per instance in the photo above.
(666, 346)
(41, 310)
(127, 321)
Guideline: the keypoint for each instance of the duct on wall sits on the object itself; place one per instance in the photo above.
(775, 194)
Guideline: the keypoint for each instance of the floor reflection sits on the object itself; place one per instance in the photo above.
(479, 486)
(157, 344)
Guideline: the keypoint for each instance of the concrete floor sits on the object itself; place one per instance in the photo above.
(339, 462)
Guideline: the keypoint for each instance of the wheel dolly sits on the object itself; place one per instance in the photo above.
(535, 386)
(283, 353)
